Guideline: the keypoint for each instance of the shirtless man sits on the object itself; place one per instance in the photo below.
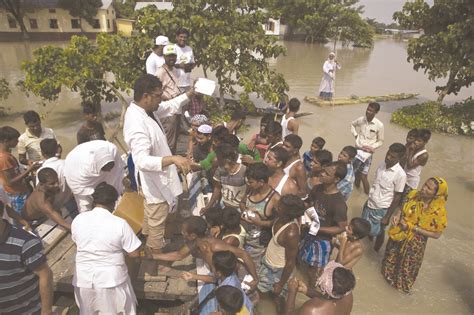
(199, 244)
(40, 203)
(350, 245)
(276, 160)
(295, 167)
(339, 301)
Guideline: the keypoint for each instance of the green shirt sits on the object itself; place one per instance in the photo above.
(243, 149)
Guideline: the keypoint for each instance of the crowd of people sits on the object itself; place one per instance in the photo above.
(270, 209)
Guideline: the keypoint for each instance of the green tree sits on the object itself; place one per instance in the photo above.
(446, 49)
(83, 9)
(103, 70)
(17, 9)
(228, 39)
(125, 9)
(321, 20)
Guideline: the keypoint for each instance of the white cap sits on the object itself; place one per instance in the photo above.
(162, 40)
(205, 129)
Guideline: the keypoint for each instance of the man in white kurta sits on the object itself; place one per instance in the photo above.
(327, 87)
(155, 166)
(89, 164)
(101, 281)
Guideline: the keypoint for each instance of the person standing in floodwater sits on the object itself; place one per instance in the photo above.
(369, 135)
(328, 82)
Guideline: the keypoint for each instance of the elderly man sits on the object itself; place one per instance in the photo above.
(328, 82)
(89, 164)
(155, 167)
(101, 281)
(156, 60)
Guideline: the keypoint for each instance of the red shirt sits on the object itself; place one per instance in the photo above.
(8, 162)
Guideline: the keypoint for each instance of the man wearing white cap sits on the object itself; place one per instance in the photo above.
(169, 76)
(156, 60)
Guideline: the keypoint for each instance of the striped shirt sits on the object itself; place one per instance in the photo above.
(20, 254)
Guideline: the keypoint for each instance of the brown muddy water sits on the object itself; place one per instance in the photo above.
(445, 284)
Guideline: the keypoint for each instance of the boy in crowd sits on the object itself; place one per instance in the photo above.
(257, 209)
(385, 193)
(318, 160)
(295, 167)
(369, 135)
(196, 121)
(416, 158)
(346, 185)
(229, 179)
(259, 140)
(203, 144)
(316, 145)
(332, 212)
(237, 119)
(280, 257)
(198, 243)
(39, 204)
(232, 232)
(276, 160)
(289, 124)
(15, 182)
(273, 132)
(331, 296)
(231, 301)
(29, 150)
(350, 245)
(91, 129)
(224, 264)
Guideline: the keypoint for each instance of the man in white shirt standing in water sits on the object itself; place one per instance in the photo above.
(369, 134)
(156, 60)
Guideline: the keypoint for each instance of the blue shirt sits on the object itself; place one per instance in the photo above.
(307, 161)
(346, 185)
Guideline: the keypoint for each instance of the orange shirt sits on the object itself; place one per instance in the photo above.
(8, 162)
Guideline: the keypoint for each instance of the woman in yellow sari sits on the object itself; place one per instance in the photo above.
(423, 216)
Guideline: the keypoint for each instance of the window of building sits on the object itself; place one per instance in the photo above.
(33, 24)
(75, 23)
(270, 26)
(52, 10)
(11, 21)
(113, 12)
(96, 23)
(108, 24)
(53, 23)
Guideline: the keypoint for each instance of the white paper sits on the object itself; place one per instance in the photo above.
(205, 86)
(362, 155)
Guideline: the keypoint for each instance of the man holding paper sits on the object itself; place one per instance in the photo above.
(155, 166)
(368, 132)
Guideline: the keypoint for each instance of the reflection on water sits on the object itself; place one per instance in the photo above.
(445, 283)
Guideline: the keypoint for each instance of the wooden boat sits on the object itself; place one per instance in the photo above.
(358, 100)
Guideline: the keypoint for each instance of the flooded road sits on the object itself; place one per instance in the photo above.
(445, 284)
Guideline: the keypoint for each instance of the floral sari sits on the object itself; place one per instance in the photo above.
(405, 249)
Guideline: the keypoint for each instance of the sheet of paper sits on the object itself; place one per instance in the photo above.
(205, 86)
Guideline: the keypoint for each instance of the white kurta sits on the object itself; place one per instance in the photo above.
(82, 170)
(101, 282)
(329, 76)
(148, 144)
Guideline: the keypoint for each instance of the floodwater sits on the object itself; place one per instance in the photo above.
(445, 284)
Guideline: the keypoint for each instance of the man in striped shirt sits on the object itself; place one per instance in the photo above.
(26, 280)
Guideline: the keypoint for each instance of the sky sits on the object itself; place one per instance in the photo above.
(382, 10)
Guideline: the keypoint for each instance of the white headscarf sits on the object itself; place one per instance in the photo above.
(83, 166)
